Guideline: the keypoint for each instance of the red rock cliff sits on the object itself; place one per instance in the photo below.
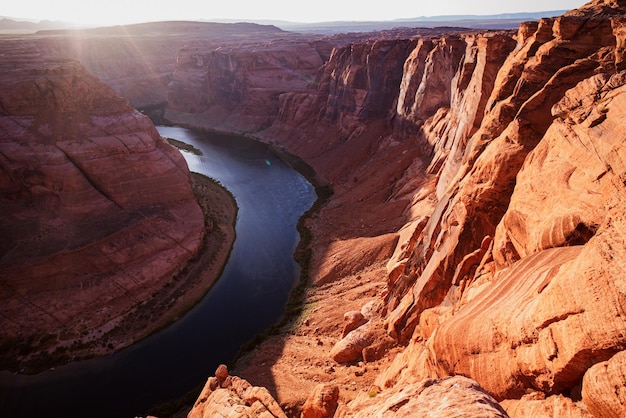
(496, 174)
(96, 210)
(481, 175)
(236, 88)
(138, 60)
(518, 262)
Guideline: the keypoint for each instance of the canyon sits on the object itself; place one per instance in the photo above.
(99, 222)
(474, 228)
(471, 257)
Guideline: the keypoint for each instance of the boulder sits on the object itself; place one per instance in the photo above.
(322, 403)
(447, 397)
(350, 348)
(235, 397)
(604, 387)
(536, 405)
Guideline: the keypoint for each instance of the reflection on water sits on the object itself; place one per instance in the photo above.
(249, 296)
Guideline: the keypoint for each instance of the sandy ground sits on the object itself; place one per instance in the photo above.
(293, 362)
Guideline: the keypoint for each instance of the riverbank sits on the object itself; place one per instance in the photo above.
(198, 276)
(294, 355)
(296, 304)
(167, 304)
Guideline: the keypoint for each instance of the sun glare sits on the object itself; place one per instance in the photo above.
(114, 12)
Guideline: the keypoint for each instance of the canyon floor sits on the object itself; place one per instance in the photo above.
(291, 363)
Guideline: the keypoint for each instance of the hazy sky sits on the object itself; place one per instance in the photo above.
(130, 11)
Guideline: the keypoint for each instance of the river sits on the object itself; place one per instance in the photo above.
(249, 296)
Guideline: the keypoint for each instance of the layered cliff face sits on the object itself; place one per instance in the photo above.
(138, 60)
(520, 260)
(244, 85)
(236, 88)
(492, 189)
(97, 212)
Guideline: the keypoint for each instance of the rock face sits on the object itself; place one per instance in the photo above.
(603, 388)
(447, 397)
(96, 212)
(236, 88)
(498, 172)
(322, 403)
(555, 340)
(249, 85)
(531, 304)
(231, 396)
(138, 60)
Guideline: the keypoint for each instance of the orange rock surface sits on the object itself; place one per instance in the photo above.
(603, 390)
(473, 249)
(503, 183)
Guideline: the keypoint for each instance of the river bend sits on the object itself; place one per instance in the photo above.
(249, 296)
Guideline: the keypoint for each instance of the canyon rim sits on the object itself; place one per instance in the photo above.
(471, 259)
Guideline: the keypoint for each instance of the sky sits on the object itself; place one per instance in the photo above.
(111, 12)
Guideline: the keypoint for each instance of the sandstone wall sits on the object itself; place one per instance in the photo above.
(523, 241)
(509, 265)
(138, 61)
(484, 170)
(237, 88)
(96, 209)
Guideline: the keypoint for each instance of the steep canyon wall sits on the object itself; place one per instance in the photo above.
(485, 170)
(138, 61)
(476, 225)
(97, 210)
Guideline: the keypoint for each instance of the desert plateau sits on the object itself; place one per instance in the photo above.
(465, 256)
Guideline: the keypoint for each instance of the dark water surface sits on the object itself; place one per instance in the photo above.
(248, 297)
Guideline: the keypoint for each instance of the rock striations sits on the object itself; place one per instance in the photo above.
(236, 88)
(471, 260)
(96, 209)
(482, 176)
(230, 396)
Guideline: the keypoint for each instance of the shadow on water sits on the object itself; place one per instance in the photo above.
(249, 297)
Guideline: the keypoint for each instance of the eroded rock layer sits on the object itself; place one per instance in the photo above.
(484, 172)
(96, 212)
(476, 227)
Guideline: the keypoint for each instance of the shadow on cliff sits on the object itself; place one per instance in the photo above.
(349, 233)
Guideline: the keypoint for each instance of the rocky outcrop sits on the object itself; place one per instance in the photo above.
(236, 88)
(231, 396)
(536, 405)
(603, 390)
(555, 340)
(97, 212)
(322, 403)
(534, 313)
(529, 302)
(510, 129)
(363, 330)
(447, 397)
